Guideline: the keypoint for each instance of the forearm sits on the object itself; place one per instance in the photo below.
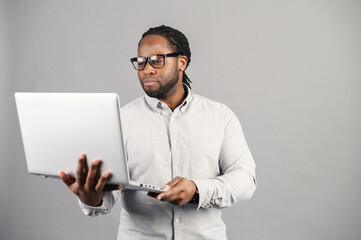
(226, 190)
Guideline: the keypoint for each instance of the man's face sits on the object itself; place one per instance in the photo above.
(158, 82)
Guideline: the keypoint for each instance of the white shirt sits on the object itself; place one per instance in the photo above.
(201, 140)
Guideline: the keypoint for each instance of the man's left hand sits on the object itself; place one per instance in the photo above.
(180, 191)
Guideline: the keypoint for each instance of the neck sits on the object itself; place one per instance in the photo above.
(175, 96)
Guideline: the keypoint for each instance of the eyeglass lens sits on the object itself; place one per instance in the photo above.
(155, 61)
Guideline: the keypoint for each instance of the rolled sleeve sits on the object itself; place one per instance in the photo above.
(104, 208)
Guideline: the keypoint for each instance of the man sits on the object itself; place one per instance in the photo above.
(194, 145)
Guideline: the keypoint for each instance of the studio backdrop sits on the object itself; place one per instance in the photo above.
(290, 70)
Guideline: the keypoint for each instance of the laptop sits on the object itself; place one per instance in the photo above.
(57, 127)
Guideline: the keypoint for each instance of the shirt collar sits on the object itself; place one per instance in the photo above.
(157, 105)
(184, 105)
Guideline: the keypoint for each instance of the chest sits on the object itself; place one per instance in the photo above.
(160, 148)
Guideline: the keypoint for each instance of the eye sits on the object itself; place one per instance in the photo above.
(157, 60)
(140, 61)
(153, 58)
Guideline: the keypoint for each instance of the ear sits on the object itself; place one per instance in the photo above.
(182, 63)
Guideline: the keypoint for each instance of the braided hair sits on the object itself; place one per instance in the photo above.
(177, 41)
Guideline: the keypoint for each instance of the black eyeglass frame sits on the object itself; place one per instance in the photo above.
(135, 59)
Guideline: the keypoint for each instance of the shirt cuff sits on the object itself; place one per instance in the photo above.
(204, 186)
(107, 203)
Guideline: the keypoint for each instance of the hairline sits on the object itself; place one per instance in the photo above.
(172, 46)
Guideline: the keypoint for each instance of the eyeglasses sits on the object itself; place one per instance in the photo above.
(156, 61)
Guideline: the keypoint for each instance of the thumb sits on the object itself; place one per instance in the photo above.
(66, 178)
(173, 182)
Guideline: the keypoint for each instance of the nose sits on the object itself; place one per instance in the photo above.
(148, 69)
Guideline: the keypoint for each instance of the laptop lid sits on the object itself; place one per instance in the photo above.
(57, 127)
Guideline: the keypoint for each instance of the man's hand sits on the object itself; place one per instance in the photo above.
(90, 186)
(180, 191)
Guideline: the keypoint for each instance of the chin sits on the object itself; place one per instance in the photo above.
(151, 92)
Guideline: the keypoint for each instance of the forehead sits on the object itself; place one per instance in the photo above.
(154, 44)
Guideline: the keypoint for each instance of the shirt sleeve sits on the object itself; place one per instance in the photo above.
(107, 204)
(238, 177)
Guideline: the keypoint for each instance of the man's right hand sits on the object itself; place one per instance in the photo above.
(89, 185)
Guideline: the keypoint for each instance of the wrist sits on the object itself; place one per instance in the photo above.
(195, 198)
(100, 203)
(92, 204)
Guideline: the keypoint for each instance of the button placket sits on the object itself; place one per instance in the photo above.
(175, 148)
(174, 135)
(178, 228)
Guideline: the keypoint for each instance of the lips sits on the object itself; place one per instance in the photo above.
(149, 81)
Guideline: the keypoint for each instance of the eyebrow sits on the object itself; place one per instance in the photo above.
(154, 54)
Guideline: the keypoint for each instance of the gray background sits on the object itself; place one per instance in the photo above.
(290, 70)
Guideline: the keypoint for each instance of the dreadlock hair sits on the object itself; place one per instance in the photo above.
(177, 41)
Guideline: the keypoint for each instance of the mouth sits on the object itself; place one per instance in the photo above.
(149, 82)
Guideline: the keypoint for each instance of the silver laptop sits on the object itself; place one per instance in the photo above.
(57, 127)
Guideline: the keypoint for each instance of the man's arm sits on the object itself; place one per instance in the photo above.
(237, 180)
(238, 177)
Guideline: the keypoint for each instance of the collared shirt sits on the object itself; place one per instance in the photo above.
(201, 140)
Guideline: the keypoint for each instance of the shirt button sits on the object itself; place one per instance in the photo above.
(175, 141)
(177, 220)
(176, 167)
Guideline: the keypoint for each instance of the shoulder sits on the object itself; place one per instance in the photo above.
(133, 110)
(133, 106)
(198, 99)
(213, 110)
(209, 104)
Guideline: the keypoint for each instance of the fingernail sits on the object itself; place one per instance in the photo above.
(166, 186)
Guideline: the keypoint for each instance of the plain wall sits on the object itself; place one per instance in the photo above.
(290, 70)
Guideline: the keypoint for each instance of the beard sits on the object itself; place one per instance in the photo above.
(163, 89)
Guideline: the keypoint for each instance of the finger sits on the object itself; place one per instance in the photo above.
(111, 187)
(187, 190)
(152, 194)
(81, 169)
(172, 189)
(179, 197)
(66, 178)
(176, 202)
(101, 182)
(173, 199)
(173, 182)
(165, 196)
(93, 174)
